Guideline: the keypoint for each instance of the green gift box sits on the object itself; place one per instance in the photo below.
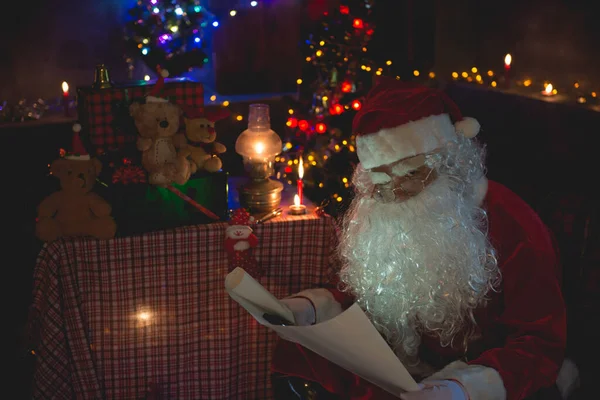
(140, 208)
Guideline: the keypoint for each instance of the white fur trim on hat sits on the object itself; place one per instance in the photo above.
(481, 383)
(327, 307)
(408, 140)
(154, 99)
(468, 127)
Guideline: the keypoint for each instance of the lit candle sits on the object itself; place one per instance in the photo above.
(297, 208)
(299, 182)
(549, 90)
(65, 98)
(507, 62)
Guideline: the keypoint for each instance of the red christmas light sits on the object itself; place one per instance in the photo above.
(336, 109)
(358, 23)
(370, 32)
(344, 10)
(346, 87)
(288, 170)
(321, 127)
(357, 105)
(292, 122)
(303, 124)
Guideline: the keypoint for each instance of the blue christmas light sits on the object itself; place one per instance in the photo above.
(254, 3)
(197, 8)
(145, 51)
(215, 24)
(155, 10)
(197, 40)
(178, 11)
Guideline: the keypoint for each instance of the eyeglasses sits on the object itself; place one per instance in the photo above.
(402, 188)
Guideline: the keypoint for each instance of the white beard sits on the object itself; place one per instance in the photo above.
(422, 265)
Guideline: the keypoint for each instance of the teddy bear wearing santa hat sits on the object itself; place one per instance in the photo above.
(457, 273)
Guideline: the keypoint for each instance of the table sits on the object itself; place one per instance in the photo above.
(110, 318)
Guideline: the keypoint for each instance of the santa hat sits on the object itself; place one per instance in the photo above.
(401, 120)
(78, 151)
(154, 94)
(240, 218)
(213, 115)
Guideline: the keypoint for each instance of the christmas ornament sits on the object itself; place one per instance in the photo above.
(239, 243)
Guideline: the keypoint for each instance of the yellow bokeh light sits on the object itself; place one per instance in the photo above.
(464, 74)
(308, 59)
(474, 70)
(344, 180)
(455, 75)
(226, 103)
(594, 94)
(325, 98)
(319, 53)
(232, 13)
(494, 84)
(288, 146)
(363, 67)
(339, 199)
(388, 62)
(490, 73)
(213, 97)
(344, 142)
(527, 82)
(576, 85)
(296, 162)
(239, 118)
(368, 69)
(311, 157)
(432, 75)
(378, 73)
(478, 78)
(321, 185)
(299, 81)
(290, 162)
(290, 111)
(322, 43)
(416, 72)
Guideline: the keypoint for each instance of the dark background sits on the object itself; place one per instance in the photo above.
(46, 42)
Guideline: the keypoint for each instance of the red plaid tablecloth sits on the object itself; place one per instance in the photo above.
(110, 318)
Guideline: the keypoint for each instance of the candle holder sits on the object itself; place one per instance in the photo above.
(258, 145)
(297, 208)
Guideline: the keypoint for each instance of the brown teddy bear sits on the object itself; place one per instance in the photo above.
(75, 210)
(201, 148)
(157, 122)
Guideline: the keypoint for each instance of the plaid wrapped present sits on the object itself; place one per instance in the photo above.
(104, 113)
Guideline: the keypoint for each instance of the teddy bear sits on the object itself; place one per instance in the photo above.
(75, 210)
(201, 148)
(157, 122)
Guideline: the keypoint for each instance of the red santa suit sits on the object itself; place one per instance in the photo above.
(239, 243)
(520, 341)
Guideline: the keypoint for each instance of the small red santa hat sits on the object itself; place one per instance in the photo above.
(401, 120)
(78, 151)
(154, 94)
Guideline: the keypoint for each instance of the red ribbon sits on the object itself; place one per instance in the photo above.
(129, 175)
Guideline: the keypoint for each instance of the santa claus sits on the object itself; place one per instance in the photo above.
(458, 273)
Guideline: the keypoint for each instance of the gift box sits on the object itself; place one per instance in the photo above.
(139, 207)
(104, 113)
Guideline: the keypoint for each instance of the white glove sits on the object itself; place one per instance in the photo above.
(437, 390)
(303, 310)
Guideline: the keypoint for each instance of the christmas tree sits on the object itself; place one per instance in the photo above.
(337, 74)
(169, 34)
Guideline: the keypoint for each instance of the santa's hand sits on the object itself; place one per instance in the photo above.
(303, 310)
(438, 390)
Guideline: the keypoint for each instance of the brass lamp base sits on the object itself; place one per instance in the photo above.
(261, 195)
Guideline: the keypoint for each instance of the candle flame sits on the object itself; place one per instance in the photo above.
(296, 200)
(65, 87)
(549, 89)
(301, 169)
(508, 60)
